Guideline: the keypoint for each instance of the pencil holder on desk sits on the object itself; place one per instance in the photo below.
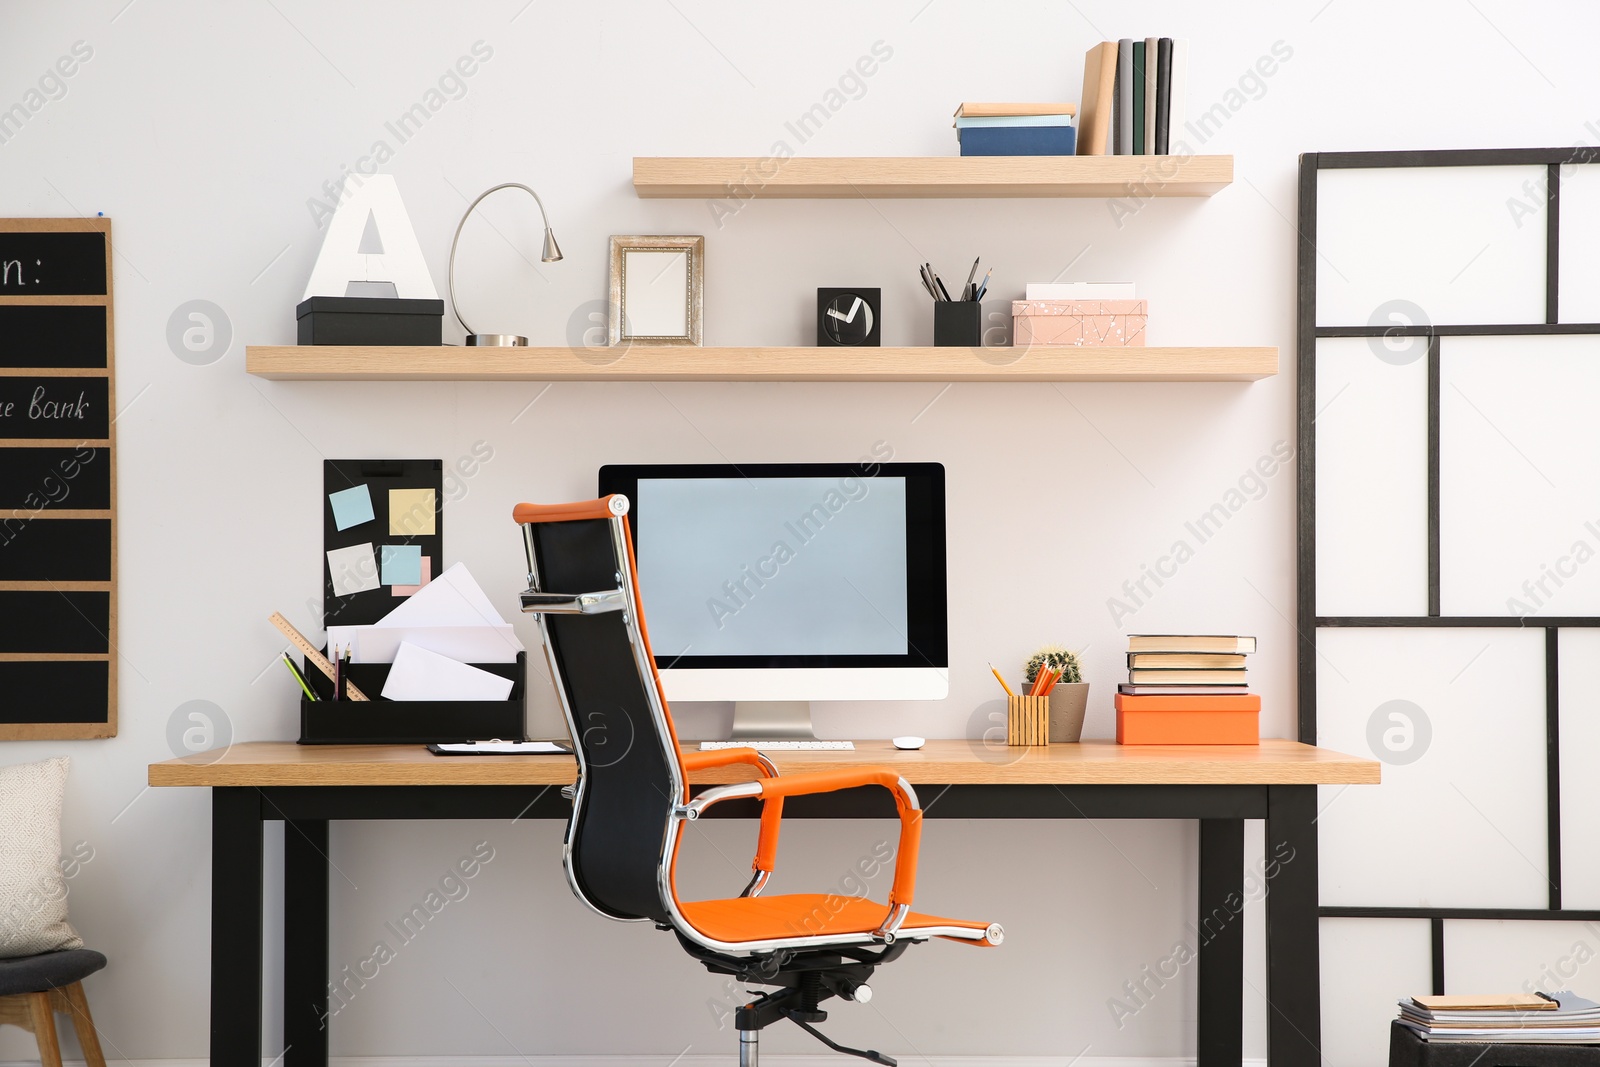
(1027, 720)
(957, 324)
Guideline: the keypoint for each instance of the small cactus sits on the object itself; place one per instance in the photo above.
(1059, 659)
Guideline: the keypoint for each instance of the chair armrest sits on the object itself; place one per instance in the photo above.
(597, 603)
(771, 811)
(905, 802)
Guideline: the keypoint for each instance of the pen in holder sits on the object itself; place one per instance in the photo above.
(957, 323)
(1027, 720)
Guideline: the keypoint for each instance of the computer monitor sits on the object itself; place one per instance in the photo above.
(773, 585)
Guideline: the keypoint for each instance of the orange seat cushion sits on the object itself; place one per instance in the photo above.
(799, 915)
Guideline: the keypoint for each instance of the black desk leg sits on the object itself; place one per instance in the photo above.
(1220, 925)
(305, 943)
(1294, 996)
(236, 901)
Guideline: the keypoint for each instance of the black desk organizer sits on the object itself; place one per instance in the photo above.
(1406, 1049)
(411, 722)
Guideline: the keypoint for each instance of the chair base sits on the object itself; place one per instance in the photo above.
(36, 1012)
(805, 979)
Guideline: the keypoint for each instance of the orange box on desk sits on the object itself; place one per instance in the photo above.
(1188, 721)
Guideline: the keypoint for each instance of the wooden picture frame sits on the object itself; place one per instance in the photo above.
(58, 606)
(657, 290)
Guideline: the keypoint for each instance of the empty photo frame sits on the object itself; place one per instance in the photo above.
(657, 290)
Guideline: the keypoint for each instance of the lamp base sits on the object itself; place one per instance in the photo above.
(496, 340)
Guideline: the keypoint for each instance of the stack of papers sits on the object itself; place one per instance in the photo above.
(450, 616)
(1562, 1018)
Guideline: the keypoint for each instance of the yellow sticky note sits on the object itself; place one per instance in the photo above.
(411, 512)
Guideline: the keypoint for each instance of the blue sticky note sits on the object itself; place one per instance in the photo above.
(402, 564)
(351, 507)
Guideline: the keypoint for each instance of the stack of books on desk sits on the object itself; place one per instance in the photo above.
(1016, 129)
(1427, 1026)
(1187, 689)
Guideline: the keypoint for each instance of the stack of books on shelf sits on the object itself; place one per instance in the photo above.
(1016, 129)
(1187, 689)
(1446, 1029)
(1133, 96)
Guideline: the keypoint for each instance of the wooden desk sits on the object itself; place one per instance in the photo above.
(307, 786)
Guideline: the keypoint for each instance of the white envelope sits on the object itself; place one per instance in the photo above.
(465, 644)
(451, 599)
(418, 674)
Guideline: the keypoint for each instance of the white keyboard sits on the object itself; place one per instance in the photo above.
(781, 746)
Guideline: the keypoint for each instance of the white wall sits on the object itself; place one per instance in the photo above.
(203, 131)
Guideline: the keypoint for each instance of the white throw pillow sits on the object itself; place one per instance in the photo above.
(33, 891)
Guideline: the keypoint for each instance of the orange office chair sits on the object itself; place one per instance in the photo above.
(632, 798)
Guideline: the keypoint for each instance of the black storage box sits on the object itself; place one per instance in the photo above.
(367, 320)
(1406, 1049)
(411, 722)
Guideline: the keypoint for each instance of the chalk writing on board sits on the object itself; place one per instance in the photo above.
(11, 273)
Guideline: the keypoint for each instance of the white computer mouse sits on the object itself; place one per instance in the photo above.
(909, 742)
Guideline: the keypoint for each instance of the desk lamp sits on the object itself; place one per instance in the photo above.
(551, 254)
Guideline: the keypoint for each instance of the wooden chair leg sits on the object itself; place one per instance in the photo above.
(16, 1011)
(44, 1029)
(83, 1025)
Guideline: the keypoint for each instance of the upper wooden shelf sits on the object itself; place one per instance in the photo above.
(741, 177)
(661, 363)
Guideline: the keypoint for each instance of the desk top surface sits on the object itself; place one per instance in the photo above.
(940, 761)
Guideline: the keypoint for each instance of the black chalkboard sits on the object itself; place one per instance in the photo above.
(52, 264)
(41, 408)
(56, 550)
(49, 620)
(37, 479)
(52, 335)
(57, 691)
(58, 522)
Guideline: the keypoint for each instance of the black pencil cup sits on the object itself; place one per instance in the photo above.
(957, 324)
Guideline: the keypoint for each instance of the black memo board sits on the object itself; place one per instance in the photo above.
(380, 476)
(58, 557)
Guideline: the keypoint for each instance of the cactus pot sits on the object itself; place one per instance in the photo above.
(1068, 701)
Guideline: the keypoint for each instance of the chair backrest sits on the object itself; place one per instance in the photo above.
(630, 772)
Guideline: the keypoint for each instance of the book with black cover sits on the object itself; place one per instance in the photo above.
(1124, 110)
(1163, 94)
(1138, 98)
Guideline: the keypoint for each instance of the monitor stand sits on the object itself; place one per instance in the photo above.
(772, 720)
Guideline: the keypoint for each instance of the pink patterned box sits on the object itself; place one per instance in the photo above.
(1106, 323)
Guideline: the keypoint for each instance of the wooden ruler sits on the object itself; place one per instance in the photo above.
(315, 658)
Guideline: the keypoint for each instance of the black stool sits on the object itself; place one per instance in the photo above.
(34, 988)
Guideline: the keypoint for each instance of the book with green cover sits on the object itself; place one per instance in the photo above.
(1138, 98)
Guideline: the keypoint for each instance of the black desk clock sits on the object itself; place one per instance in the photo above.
(849, 318)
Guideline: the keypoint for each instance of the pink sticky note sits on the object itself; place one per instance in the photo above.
(427, 576)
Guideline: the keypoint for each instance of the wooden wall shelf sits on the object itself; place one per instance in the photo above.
(741, 177)
(641, 363)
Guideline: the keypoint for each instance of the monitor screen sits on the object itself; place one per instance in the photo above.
(789, 564)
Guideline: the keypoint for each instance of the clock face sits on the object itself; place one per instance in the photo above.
(847, 319)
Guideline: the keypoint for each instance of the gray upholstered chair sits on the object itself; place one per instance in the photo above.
(34, 988)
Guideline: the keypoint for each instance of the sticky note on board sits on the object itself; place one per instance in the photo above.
(351, 507)
(411, 512)
(400, 564)
(353, 569)
(427, 576)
